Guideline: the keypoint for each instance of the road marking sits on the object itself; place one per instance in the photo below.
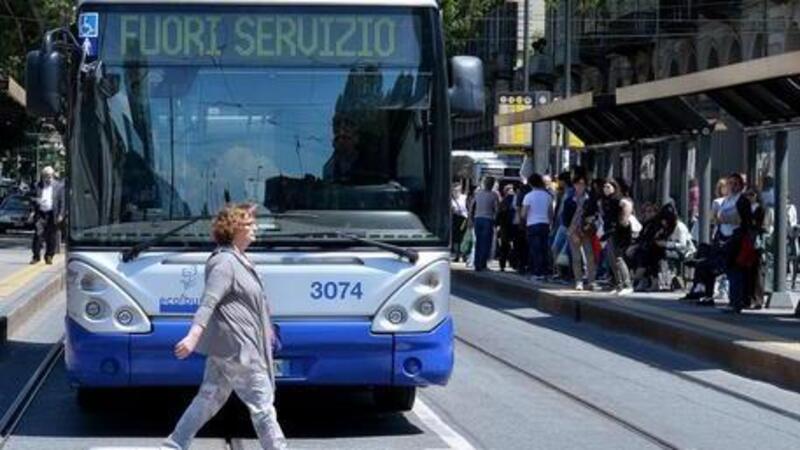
(438, 426)
(126, 448)
(20, 278)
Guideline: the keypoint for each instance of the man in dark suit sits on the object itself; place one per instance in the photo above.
(48, 215)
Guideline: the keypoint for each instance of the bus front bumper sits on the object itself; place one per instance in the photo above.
(330, 352)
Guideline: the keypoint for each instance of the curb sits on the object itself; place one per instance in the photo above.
(752, 359)
(31, 298)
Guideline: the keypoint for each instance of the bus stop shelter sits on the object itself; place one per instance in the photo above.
(601, 121)
(760, 94)
(606, 125)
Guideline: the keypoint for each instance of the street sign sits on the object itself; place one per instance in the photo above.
(515, 136)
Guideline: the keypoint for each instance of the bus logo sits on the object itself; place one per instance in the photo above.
(189, 277)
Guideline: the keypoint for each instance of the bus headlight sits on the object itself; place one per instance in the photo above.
(99, 305)
(93, 309)
(419, 305)
(396, 315)
(92, 283)
(425, 306)
(124, 316)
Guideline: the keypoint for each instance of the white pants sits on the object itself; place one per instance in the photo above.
(251, 384)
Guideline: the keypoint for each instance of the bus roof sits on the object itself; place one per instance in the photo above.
(425, 3)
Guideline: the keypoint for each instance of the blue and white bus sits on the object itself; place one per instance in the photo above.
(331, 115)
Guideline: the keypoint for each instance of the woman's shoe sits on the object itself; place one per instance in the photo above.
(732, 309)
(693, 295)
(708, 301)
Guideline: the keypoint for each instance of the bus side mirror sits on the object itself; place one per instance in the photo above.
(45, 87)
(467, 98)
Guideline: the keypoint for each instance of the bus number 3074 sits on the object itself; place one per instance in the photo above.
(336, 290)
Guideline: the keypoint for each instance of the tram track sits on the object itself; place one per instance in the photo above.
(575, 398)
(14, 414)
(463, 293)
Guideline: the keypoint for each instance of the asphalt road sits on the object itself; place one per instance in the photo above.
(523, 380)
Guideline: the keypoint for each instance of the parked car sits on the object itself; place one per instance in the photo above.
(16, 212)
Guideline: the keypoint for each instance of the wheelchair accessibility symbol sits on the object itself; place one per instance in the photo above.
(88, 25)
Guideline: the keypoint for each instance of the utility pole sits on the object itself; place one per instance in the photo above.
(525, 57)
(567, 49)
(567, 79)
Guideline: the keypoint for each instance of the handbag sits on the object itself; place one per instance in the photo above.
(563, 259)
(747, 255)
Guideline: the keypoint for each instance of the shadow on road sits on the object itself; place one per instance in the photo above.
(318, 413)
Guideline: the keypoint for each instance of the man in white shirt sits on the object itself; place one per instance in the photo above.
(727, 217)
(49, 213)
(537, 211)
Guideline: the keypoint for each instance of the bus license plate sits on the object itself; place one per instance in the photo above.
(281, 367)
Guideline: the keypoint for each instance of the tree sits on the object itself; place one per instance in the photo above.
(461, 19)
(22, 25)
(578, 5)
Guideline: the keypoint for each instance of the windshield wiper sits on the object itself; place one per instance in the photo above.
(410, 254)
(131, 253)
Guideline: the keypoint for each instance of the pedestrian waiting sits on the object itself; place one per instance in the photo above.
(537, 211)
(483, 211)
(712, 259)
(578, 212)
(460, 216)
(617, 233)
(506, 227)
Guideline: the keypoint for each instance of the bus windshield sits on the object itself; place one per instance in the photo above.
(326, 111)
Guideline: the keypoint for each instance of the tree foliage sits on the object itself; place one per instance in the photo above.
(22, 25)
(577, 5)
(461, 19)
(581, 6)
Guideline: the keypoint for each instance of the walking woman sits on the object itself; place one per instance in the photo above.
(232, 328)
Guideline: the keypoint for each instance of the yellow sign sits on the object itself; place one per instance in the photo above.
(517, 136)
(575, 142)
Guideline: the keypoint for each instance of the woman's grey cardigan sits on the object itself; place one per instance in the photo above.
(234, 312)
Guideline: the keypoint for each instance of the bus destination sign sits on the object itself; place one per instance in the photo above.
(260, 38)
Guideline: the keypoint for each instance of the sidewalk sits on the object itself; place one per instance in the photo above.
(24, 287)
(762, 344)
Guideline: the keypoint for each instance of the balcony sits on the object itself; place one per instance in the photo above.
(631, 32)
(677, 16)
